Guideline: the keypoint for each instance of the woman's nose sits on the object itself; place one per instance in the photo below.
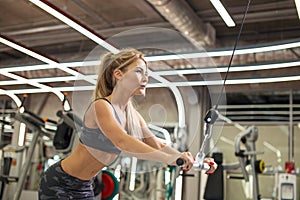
(145, 78)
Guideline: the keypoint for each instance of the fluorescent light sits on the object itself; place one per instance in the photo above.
(43, 80)
(297, 2)
(22, 132)
(245, 50)
(132, 173)
(175, 84)
(51, 66)
(216, 53)
(74, 25)
(26, 51)
(40, 90)
(232, 69)
(159, 73)
(41, 58)
(165, 73)
(223, 13)
(30, 82)
(44, 88)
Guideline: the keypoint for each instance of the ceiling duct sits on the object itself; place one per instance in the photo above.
(186, 21)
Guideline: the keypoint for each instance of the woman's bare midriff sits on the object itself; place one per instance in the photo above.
(85, 163)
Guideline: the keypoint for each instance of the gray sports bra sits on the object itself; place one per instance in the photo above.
(94, 137)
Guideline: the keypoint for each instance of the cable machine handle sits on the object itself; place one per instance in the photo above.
(180, 162)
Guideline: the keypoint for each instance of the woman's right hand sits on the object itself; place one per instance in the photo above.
(188, 161)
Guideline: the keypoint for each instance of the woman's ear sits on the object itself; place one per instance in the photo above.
(118, 74)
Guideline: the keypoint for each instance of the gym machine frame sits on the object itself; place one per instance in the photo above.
(37, 126)
(248, 137)
(248, 134)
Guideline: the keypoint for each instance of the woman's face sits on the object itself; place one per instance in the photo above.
(135, 78)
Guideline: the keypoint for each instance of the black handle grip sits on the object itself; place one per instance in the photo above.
(179, 162)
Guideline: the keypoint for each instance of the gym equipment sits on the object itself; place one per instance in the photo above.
(212, 115)
(68, 124)
(110, 185)
(37, 125)
(210, 118)
(12, 161)
(3, 133)
(247, 156)
(142, 180)
(287, 189)
(64, 137)
(214, 188)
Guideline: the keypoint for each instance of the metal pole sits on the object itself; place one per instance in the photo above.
(291, 130)
(22, 178)
(252, 140)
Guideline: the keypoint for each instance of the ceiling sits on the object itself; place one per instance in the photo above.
(158, 27)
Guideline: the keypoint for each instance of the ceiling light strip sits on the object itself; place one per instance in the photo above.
(159, 73)
(236, 81)
(216, 53)
(20, 48)
(33, 54)
(223, 13)
(69, 20)
(51, 66)
(166, 72)
(256, 67)
(154, 58)
(64, 17)
(30, 82)
(266, 106)
(177, 84)
(219, 82)
(44, 80)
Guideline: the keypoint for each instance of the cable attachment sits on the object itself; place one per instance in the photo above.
(211, 116)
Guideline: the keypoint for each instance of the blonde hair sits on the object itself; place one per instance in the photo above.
(106, 83)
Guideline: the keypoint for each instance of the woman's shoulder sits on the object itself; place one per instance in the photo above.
(101, 99)
(100, 104)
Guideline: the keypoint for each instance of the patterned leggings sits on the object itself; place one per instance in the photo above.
(56, 184)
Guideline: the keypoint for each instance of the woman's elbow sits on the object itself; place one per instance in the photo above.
(121, 144)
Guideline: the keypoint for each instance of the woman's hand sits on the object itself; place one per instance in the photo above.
(212, 164)
(188, 161)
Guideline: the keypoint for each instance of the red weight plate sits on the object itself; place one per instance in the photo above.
(109, 186)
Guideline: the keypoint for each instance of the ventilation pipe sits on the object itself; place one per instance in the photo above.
(186, 21)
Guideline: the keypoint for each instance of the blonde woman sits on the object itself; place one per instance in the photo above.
(111, 126)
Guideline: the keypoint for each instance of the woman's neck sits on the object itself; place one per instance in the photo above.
(119, 99)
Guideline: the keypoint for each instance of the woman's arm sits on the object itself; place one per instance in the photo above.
(107, 123)
(154, 142)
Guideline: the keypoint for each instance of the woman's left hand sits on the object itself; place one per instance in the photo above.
(212, 164)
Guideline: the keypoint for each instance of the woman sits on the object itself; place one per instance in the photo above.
(111, 126)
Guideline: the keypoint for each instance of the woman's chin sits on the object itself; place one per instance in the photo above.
(140, 93)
